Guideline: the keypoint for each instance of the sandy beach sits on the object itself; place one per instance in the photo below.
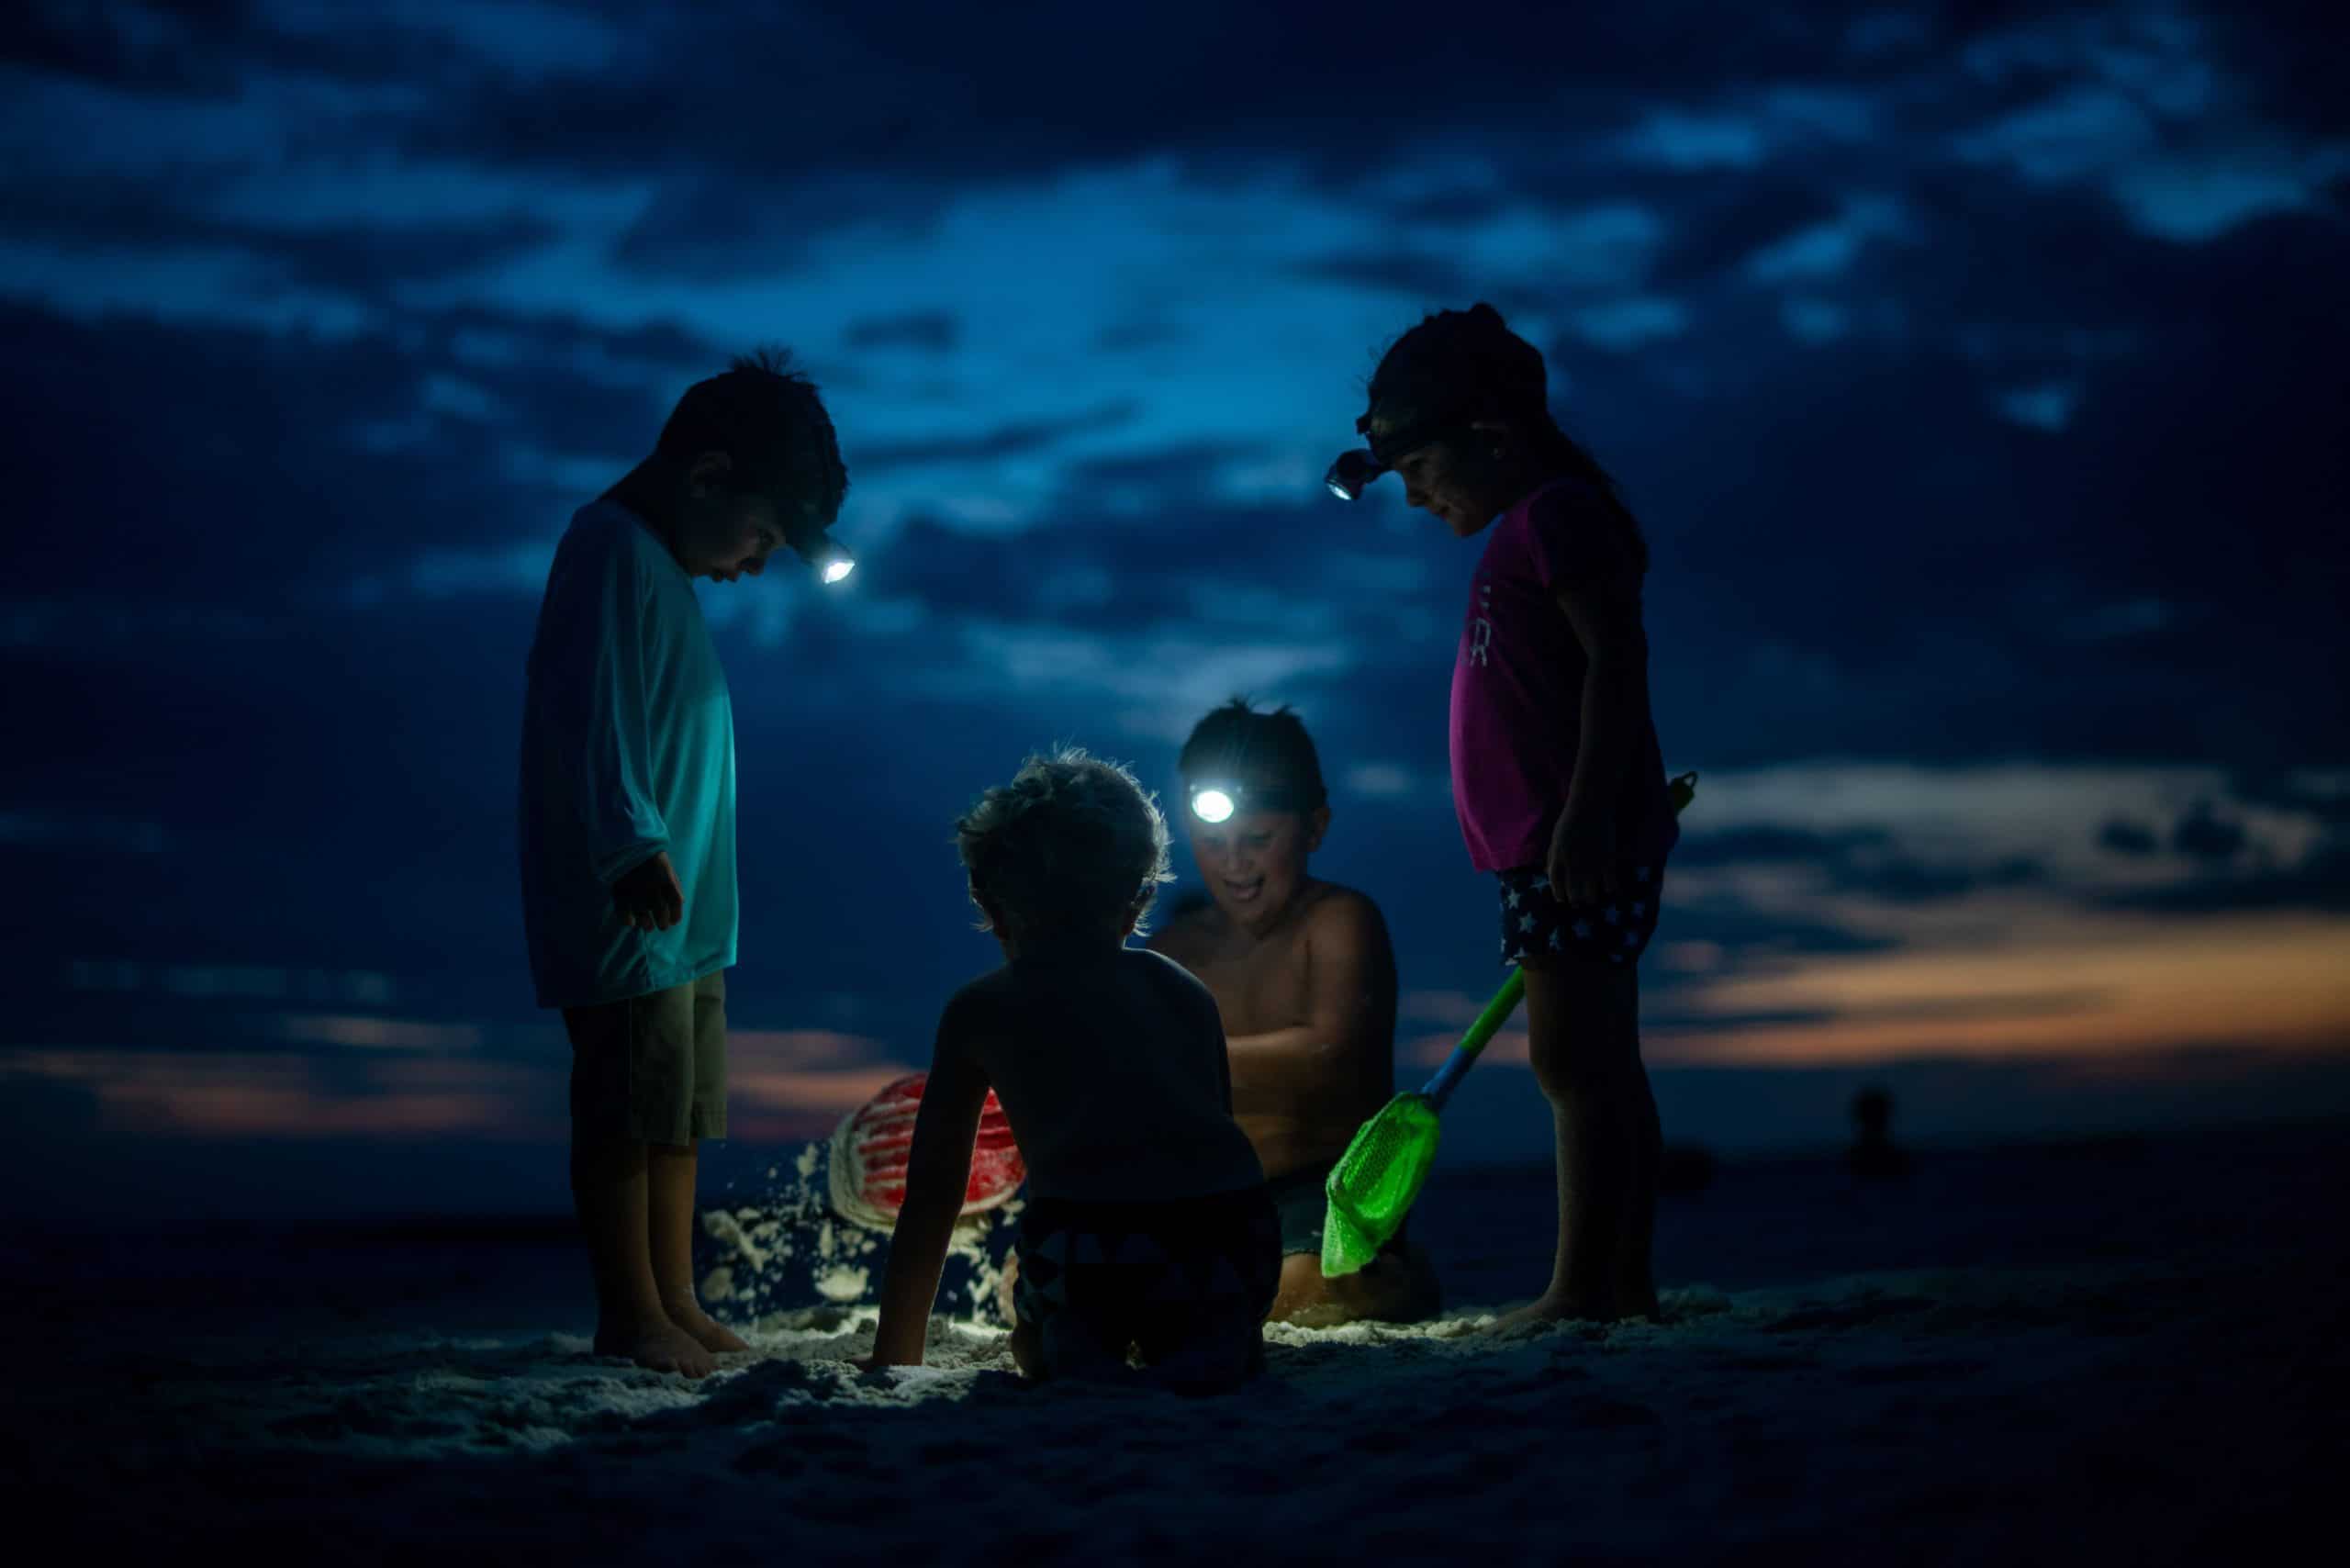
(2124, 1350)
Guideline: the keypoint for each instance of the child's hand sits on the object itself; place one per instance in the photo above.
(649, 896)
(1582, 866)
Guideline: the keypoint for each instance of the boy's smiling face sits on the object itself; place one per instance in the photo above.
(1254, 862)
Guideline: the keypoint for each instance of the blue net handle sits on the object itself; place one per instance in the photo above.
(1504, 1002)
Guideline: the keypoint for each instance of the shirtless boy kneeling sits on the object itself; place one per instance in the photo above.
(1148, 1229)
(1304, 976)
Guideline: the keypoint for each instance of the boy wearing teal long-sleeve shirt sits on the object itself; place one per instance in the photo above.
(628, 822)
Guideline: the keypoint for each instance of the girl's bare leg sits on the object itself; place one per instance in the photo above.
(1583, 1033)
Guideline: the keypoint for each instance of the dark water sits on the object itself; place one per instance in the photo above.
(1490, 1232)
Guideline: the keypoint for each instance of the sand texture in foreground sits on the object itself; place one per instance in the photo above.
(2168, 1392)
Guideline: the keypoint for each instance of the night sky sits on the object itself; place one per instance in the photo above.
(1976, 371)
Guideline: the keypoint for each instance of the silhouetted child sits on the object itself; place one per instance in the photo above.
(1556, 772)
(1873, 1152)
(628, 824)
(1146, 1226)
(1304, 975)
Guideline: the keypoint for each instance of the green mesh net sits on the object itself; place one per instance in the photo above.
(1376, 1182)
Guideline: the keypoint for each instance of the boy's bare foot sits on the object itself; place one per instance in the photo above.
(658, 1347)
(1545, 1310)
(704, 1329)
(1397, 1286)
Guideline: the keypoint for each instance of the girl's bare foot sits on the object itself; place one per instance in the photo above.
(704, 1329)
(660, 1346)
(1634, 1301)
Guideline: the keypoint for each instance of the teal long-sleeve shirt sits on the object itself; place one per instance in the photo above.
(628, 750)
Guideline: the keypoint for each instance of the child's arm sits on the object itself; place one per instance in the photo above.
(939, 1172)
(1604, 613)
(1350, 1013)
(590, 659)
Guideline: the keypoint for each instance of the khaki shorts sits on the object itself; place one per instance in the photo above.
(651, 1068)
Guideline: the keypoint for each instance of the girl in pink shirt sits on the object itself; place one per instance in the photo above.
(1556, 771)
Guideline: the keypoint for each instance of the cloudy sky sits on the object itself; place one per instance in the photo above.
(1976, 372)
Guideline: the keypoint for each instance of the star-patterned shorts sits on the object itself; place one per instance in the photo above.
(1533, 921)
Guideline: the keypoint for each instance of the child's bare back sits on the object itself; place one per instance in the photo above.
(1110, 1068)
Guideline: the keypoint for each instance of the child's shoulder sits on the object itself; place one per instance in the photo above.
(602, 521)
(980, 990)
(1570, 502)
(1165, 972)
(1343, 913)
(1574, 530)
(1158, 965)
(607, 529)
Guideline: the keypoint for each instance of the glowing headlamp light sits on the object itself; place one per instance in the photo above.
(831, 562)
(1351, 474)
(1218, 801)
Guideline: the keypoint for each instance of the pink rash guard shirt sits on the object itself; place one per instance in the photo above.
(1517, 686)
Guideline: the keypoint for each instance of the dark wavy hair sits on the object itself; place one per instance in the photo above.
(1238, 741)
(1469, 365)
(769, 419)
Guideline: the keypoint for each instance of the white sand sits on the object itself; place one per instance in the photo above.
(2124, 1409)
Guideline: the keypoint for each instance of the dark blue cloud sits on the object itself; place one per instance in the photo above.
(1016, 438)
(942, 89)
(106, 214)
(933, 330)
(1857, 860)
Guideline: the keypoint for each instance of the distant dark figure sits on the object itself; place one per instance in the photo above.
(1874, 1153)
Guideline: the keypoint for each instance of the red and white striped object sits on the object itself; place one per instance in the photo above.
(870, 1147)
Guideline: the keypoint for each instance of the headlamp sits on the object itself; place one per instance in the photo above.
(1353, 472)
(1216, 801)
(830, 562)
